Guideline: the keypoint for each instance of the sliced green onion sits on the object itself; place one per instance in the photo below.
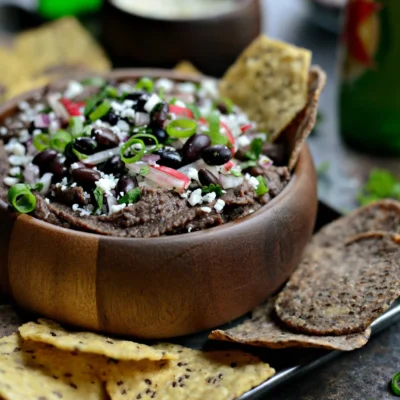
(248, 164)
(112, 92)
(138, 154)
(395, 384)
(212, 188)
(94, 81)
(100, 111)
(227, 102)
(262, 186)
(195, 110)
(255, 149)
(76, 126)
(92, 102)
(99, 199)
(133, 196)
(236, 173)
(214, 129)
(182, 128)
(21, 198)
(41, 142)
(161, 93)
(144, 170)
(79, 155)
(37, 186)
(145, 84)
(173, 101)
(60, 140)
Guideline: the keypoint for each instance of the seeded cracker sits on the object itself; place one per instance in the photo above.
(265, 330)
(196, 375)
(49, 332)
(342, 290)
(269, 82)
(32, 371)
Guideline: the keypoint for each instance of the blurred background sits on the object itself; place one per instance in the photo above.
(356, 143)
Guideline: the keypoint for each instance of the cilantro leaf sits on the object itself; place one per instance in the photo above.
(133, 196)
(212, 188)
(262, 186)
(99, 199)
(255, 149)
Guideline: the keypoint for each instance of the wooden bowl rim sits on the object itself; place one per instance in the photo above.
(280, 201)
(235, 12)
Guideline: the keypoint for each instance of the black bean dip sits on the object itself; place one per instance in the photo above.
(140, 158)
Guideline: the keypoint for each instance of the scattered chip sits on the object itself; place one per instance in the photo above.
(32, 371)
(269, 82)
(195, 375)
(59, 47)
(49, 332)
(342, 290)
(296, 133)
(186, 67)
(265, 330)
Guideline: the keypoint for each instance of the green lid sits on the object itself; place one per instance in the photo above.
(59, 8)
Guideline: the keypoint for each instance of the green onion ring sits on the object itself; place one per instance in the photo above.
(395, 386)
(182, 128)
(145, 84)
(100, 111)
(76, 127)
(60, 140)
(127, 146)
(148, 135)
(21, 198)
(41, 142)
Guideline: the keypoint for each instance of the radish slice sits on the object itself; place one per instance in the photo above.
(245, 128)
(101, 157)
(228, 166)
(46, 180)
(164, 177)
(42, 121)
(181, 111)
(230, 181)
(57, 107)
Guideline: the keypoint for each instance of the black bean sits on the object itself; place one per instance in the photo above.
(141, 102)
(111, 117)
(114, 166)
(207, 178)
(69, 153)
(126, 183)
(44, 158)
(222, 108)
(58, 168)
(194, 147)
(169, 158)
(160, 133)
(136, 95)
(159, 114)
(85, 145)
(105, 138)
(86, 177)
(217, 155)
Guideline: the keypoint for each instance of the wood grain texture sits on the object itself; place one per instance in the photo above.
(53, 271)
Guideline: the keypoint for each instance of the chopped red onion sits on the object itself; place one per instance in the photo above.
(111, 201)
(31, 173)
(57, 107)
(46, 180)
(142, 119)
(42, 121)
(101, 157)
(265, 162)
(230, 181)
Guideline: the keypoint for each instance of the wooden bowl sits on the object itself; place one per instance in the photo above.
(158, 287)
(212, 44)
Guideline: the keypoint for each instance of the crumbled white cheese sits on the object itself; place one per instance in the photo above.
(23, 105)
(24, 135)
(74, 89)
(186, 194)
(116, 106)
(192, 173)
(206, 209)
(180, 103)
(243, 141)
(10, 181)
(19, 149)
(19, 160)
(253, 181)
(15, 171)
(47, 200)
(165, 84)
(209, 197)
(123, 125)
(195, 197)
(190, 229)
(117, 208)
(187, 87)
(128, 113)
(210, 87)
(74, 185)
(219, 205)
(3, 131)
(75, 207)
(106, 184)
(127, 104)
(152, 102)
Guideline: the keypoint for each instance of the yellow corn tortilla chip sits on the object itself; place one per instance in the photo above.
(186, 67)
(265, 330)
(195, 375)
(58, 48)
(26, 85)
(269, 82)
(49, 332)
(33, 371)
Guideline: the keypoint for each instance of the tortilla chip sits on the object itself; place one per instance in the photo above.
(342, 290)
(86, 342)
(265, 330)
(59, 47)
(26, 85)
(269, 82)
(195, 375)
(186, 67)
(29, 371)
(300, 128)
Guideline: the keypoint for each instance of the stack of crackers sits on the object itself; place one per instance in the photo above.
(58, 49)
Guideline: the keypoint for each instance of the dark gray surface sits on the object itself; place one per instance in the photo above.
(363, 374)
